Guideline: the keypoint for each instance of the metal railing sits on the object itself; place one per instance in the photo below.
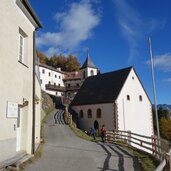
(54, 87)
(144, 143)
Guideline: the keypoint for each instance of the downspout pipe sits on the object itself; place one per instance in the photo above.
(33, 118)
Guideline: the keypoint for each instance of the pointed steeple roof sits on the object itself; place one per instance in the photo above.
(88, 62)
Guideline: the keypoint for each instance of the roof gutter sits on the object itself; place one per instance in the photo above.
(32, 13)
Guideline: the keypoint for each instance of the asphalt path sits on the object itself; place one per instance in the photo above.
(63, 151)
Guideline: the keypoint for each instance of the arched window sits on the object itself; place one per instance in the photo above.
(81, 114)
(99, 113)
(128, 97)
(89, 113)
(92, 72)
(140, 98)
(84, 74)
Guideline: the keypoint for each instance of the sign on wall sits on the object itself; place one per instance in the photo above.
(12, 110)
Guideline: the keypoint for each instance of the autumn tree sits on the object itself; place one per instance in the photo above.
(52, 61)
(164, 123)
(61, 62)
(72, 63)
(165, 128)
(42, 57)
(66, 63)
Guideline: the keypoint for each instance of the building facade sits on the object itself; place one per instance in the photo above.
(116, 99)
(65, 84)
(17, 91)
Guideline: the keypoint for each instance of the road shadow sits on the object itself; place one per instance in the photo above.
(121, 153)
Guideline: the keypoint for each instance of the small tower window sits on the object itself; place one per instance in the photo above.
(43, 71)
(89, 113)
(128, 97)
(92, 72)
(49, 73)
(49, 82)
(140, 98)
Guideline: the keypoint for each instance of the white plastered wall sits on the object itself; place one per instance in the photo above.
(133, 114)
(106, 113)
(16, 78)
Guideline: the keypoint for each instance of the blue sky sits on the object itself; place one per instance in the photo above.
(116, 33)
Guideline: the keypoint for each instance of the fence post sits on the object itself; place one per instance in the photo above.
(154, 143)
(129, 137)
(168, 162)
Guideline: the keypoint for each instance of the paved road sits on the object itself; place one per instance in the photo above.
(63, 151)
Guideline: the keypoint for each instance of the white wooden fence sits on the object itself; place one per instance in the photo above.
(144, 143)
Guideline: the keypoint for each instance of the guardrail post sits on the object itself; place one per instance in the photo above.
(168, 162)
(154, 144)
(129, 137)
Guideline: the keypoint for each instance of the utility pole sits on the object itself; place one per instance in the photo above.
(155, 101)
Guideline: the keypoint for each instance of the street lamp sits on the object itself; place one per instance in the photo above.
(155, 101)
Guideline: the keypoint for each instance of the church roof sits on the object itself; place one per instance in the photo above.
(88, 62)
(103, 88)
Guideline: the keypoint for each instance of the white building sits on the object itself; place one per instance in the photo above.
(116, 99)
(60, 83)
(52, 80)
(19, 86)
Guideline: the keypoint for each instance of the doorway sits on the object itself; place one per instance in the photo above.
(96, 126)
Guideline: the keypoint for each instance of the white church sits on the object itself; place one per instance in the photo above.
(116, 99)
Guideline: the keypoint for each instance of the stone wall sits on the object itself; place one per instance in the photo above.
(47, 104)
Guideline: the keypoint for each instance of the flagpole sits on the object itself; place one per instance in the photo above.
(155, 101)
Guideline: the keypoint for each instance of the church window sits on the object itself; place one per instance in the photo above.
(140, 98)
(99, 113)
(43, 71)
(89, 113)
(128, 97)
(81, 114)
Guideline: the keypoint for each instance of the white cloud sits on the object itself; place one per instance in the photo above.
(134, 28)
(162, 62)
(168, 80)
(75, 26)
